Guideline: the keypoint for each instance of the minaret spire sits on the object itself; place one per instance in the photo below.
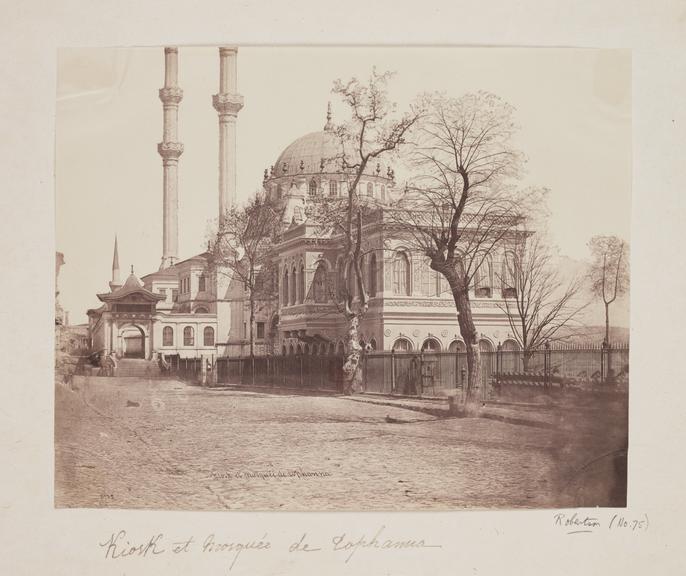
(227, 102)
(329, 125)
(170, 150)
(116, 281)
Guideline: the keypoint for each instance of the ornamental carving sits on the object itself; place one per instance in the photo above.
(227, 104)
(435, 303)
(170, 150)
(387, 331)
(171, 95)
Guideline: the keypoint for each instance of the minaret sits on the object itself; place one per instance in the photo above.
(227, 103)
(116, 281)
(170, 150)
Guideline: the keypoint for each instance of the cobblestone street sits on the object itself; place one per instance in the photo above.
(162, 444)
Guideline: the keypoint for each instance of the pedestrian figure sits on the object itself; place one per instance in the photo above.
(413, 379)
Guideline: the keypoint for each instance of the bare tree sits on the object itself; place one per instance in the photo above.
(538, 303)
(371, 134)
(462, 203)
(609, 272)
(242, 249)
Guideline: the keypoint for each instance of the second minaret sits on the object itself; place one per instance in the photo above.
(227, 103)
(170, 150)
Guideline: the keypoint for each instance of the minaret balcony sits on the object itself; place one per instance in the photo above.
(170, 150)
(227, 104)
(171, 95)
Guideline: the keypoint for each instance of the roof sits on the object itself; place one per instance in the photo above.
(131, 286)
(317, 153)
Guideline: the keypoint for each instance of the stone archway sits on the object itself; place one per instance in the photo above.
(132, 341)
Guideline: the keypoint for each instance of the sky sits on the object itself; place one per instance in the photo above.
(573, 108)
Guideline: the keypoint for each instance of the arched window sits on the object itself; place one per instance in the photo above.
(301, 284)
(313, 187)
(485, 345)
(401, 274)
(402, 345)
(431, 345)
(201, 283)
(482, 279)
(509, 357)
(508, 276)
(293, 286)
(208, 336)
(167, 336)
(372, 344)
(340, 348)
(370, 189)
(201, 310)
(457, 346)
(429, 280)
(284, 350)
(319, 284)
(188, 336)
(298, 213)
(443, 286)
(333, 188)
(285, 287)
(373, 272)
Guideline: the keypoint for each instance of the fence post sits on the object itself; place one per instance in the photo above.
(546, 365)
(421, 373)
(457, 367)
(498, 363)
(302, 384)
(603, 349)
(392, 370)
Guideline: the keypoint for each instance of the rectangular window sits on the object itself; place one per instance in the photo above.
(201, 284)
(175, 294)
(260, 330)
(245, 330)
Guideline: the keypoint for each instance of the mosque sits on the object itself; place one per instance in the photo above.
(185, 309)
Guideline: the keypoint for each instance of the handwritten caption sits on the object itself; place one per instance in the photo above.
(120, 545)
(578, 523)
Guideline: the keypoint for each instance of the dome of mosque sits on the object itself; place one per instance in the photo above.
(320, 152)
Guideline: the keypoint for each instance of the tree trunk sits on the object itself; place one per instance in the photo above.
(468, 332)
(252, 339)
(607, 322)
(352, 369)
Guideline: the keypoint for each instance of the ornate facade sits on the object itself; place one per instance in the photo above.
(188, 310)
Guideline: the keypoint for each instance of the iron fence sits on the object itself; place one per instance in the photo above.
(423, 373)
(300, 371)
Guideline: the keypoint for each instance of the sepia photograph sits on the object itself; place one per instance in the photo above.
(342, 278)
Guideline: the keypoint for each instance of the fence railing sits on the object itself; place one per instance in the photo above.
(422, 373)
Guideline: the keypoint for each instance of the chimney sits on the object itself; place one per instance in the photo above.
(170, 150)
(227, 103)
